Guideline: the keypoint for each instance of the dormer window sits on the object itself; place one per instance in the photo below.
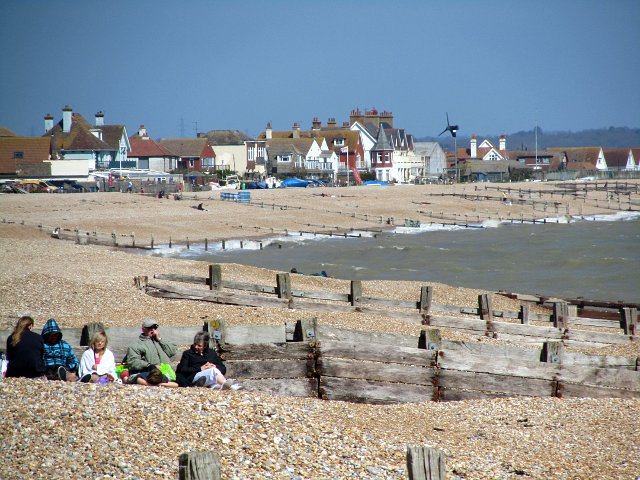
(338, 142)
(18, 155)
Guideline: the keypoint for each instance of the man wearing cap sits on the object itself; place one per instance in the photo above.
(149, 349)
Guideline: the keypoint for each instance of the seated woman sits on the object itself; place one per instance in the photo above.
(24, 351)
(200, 366)
(98, 364)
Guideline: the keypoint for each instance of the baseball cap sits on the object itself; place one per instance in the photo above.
(149, 322)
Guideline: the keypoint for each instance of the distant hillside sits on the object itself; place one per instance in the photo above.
(612, 137)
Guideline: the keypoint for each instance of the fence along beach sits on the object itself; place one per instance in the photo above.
(90, 283)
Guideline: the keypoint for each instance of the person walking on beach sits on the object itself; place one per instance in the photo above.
(25, 351)
(98, 365)
(148, 351)
(200, 366)
(60, 361)
(129, 186)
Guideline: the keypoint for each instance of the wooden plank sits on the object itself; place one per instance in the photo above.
(376, 353)
(456, 395)
(600, 361)
(601, 377)
(570, 390)
(374, 371)
(251, 334)
(454, 347)
(497, 366)
(268, 368)
(328, 332)
(498, 384)
(600, 337)
(265, 351)
(380, 393)
(291, 387)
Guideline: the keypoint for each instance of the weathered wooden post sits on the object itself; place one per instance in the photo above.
(560, 314)
(151, 241)
(199, 466)
(426, 463)
(215, 277)
(552, 352)
(216, 329)
(629, 320)
(524, 314)
(283, 285)
(356, 292)
(485, 310)
(88, 331)
(430, 339)
(206, 244)
(426, 295)
(306, 329)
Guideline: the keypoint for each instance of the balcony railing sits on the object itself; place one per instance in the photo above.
(314, 165)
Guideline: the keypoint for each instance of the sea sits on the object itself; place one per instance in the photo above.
(595, 257)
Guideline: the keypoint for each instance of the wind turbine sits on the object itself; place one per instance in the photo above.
(453, 129)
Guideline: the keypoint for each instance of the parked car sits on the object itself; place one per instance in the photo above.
(67, 186)
(37, 186)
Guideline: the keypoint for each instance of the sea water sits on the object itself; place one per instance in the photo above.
(595, 258)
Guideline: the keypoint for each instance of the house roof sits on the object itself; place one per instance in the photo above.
(77, 138)
(5, 132)
(616, 157)
(185, 147)
(33, 149)
(351, 138)
(283, 146)
(226, 137)
(488, 166)
(578, 154)
(111, 134)
(581, 166)
(636, 155)
(147, 147)
(382, 142)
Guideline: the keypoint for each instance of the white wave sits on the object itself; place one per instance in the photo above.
(491, 223)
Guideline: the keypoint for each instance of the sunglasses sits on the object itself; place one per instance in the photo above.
(152, 327)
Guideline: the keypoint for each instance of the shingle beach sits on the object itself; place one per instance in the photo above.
(51, 430)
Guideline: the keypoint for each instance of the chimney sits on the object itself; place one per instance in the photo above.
(296, 130)
(474, 146)
(142, 132)
(268, 132)
(315, 125)
(345, 125)
(331, 123)
(503, 142)
(99, 119)
(67, 113)
(48, 122)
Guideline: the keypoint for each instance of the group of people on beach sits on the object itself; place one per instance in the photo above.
(147, 362)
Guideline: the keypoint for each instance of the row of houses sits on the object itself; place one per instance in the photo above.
(368, 143)
(485, 161)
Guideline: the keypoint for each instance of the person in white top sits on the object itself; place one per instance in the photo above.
(98, 364)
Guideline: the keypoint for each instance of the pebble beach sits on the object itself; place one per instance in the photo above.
(54, 430)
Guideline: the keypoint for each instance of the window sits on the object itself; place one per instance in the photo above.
(18, 155)
(338, 141)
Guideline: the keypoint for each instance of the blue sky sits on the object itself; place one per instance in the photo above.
(497, 66)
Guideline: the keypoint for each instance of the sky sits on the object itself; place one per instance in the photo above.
(496, 66)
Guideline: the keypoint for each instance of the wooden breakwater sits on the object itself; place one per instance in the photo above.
(308, 359)
(563, 323)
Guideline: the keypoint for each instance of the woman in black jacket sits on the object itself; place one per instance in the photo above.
(201, 366)
(24, 351)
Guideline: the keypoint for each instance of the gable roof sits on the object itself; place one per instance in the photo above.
(351, 138)
(226, 137)
(77, 138)
(578, 154)
(616, 157)
(31, 150)
(147, 147)
(5, 132)
(283, 146)
(185, 147)
(111, 134)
